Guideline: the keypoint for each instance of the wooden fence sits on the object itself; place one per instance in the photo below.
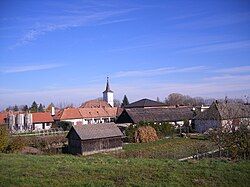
(49, 132)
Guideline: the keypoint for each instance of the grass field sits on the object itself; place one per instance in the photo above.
(113, 170)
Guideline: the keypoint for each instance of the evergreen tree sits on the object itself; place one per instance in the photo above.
(40, 108)
(15, 108)
(125, 101)
(25, 108)
(34, 107)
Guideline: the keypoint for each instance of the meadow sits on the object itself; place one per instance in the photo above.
(124, 168)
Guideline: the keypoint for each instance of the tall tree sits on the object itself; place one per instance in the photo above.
(125, 101)
(34, 107)
(40, 108)
(25, 108)
(15, 108)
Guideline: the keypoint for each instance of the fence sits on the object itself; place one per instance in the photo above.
(41, 133)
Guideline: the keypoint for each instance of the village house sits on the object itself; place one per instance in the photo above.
(222, 114)
(86, 115)
(174, 116)
(90, 139)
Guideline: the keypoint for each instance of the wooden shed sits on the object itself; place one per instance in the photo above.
(94, 138)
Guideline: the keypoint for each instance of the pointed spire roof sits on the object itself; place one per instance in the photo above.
(107, 86)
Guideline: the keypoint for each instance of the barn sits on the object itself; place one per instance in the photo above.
(94, 138)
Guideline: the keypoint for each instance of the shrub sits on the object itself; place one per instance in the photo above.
(4, 138)
(65, 125)
(16, 144)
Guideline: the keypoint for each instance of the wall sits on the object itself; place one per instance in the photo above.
(203, 125)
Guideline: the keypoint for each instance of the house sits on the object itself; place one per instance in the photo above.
(222, 114)
(87, 115)
(175, 116)
(146, 103)
(41, 121)
(90, 139)
(23, 122)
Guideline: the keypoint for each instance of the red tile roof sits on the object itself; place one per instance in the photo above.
(42, 117)
(68, 113)
(95, 104)
(3, 115)
(79, 113)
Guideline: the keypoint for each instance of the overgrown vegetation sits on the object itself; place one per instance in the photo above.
(162, 130)
(105, 170)
(235, 143)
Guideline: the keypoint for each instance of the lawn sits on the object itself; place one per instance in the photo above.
(110, 169)
(166, 148)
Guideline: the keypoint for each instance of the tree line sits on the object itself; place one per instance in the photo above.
(25, 108)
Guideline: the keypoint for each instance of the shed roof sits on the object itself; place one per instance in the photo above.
(145, 103)
(96, 131)
(157, 114)
(225, 110)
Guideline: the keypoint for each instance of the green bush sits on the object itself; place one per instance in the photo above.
(16, 144)
(65, 125)
(4, 138)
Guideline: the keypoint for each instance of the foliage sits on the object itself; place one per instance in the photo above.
(117, 103)
(15, 108)
(40, 108)
(16, 143)
(34, 107)
(4, 138)
(65, 125)
(105, 170)
(125, 101)
(237, 142)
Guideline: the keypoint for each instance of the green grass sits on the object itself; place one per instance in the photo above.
(166, 148)
(104, 170)
(112, 169)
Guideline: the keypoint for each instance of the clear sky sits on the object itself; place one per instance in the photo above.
(62, 51)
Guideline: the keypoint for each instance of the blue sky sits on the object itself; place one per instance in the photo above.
(62, 51)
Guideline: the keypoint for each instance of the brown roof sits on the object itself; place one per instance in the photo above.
(143, 103)
(90, 131)
(68, 113)
(41, 117)
(222, 110)
(136, 115)
(95, 104)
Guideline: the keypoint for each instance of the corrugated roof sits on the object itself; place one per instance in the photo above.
(90, 131)
(157, 114)
(145, 103)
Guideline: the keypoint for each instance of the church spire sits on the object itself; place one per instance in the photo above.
(107, 86)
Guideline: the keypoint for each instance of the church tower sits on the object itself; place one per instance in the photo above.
(108, 95)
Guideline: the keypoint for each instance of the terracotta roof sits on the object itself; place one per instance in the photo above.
(220, 111)
(68, 113)
(95, 104)
(43, 117)
(143, 103)
(3, 115)
(103, 130)
(135, 115)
